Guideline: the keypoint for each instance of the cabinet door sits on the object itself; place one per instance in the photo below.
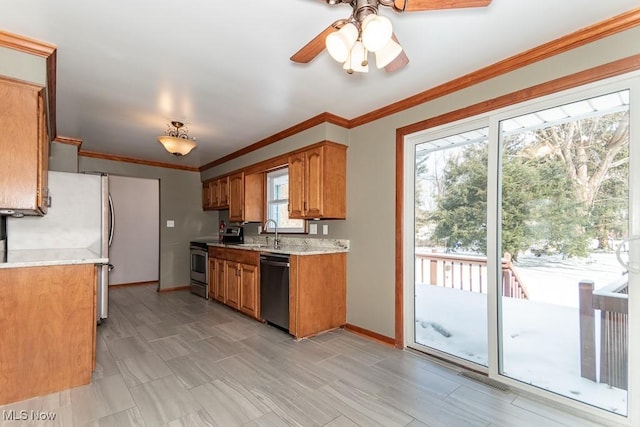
(212, 278)
(233, 284)
(215, 194)
(43, 157)
(313, 183)
(22, 163)
(249, 290)
(223, 191)
(206, 195)
(296, 185)
(236, 197)
(220, 288)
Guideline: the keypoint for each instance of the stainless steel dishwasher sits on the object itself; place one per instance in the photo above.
(274, 289)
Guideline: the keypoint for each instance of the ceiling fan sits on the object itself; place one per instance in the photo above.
(350, 40)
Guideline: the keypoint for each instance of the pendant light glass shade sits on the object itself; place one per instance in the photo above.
(376, 32)
(387, 54)
(176, 141)
(177, 146)
(340, 42)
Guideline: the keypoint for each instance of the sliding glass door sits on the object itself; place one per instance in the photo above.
(450, 245)
(522, 246)
(564, 220)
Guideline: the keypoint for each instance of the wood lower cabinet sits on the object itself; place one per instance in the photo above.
(234, 279)
(249, 290)
(317, 293)
(48, 329)
(25, 148)
(233, 284)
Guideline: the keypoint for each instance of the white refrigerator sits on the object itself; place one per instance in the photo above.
(81, 216)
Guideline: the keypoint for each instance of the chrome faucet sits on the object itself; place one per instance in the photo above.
(276, 241)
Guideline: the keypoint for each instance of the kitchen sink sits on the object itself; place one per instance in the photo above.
(252, 245)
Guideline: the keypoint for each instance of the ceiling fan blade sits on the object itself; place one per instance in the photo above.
(420, 5)
(400, 61)
(314, 47)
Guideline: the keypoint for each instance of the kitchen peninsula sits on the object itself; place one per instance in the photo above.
(48, 321)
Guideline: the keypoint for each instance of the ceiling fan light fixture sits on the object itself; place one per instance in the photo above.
(357, 60)
(176, 141)
(388, 53)
(339, 43)
(376, 32)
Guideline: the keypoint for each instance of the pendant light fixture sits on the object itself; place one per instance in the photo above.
(176, 140)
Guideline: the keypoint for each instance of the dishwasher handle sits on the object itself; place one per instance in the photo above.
(275, 260)
(274, 263)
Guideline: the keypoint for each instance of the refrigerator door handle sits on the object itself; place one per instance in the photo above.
(112, 220)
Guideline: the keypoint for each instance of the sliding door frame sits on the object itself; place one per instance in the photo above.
(587, 80)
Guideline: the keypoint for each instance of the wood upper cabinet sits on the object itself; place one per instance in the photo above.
(215, 194)
(207, 201)
(236, 197)
(246, 197)
(223, 192)
(317, 182)
(25, 148)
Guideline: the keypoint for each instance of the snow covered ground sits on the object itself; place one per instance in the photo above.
(540, 336)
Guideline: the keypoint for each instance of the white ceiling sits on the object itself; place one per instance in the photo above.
(125, 69)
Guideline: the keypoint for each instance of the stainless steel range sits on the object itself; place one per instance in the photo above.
(199, 268)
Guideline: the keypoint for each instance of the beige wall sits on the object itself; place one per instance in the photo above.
(181, 201)
(63, 157)
(371, 174)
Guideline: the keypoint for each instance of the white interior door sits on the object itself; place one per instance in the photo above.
(135, 250)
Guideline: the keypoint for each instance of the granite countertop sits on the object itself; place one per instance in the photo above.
(47, 257)
(284, 249)
(288, 245)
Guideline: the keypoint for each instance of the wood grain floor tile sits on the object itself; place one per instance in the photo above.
(175, 359)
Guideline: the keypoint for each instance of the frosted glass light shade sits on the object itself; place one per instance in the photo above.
(376, 32)
(177, 146)
(388, 53)
(340, 42)
(356, 58)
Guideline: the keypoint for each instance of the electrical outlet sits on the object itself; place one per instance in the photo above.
(171, 223)
(313, 228)
(325, 229)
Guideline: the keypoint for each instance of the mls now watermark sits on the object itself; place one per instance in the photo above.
(24, 415)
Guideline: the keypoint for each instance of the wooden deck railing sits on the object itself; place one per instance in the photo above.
(466, 272)
(613, 303)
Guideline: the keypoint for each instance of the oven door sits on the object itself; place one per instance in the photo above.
(199, 265)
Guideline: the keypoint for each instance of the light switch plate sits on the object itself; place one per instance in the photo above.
(313, 228)
(171, 223)
(325, 229)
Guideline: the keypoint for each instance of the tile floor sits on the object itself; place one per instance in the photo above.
(174, 359)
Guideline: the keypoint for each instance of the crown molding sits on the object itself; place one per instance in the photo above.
(125, 159)
(44, 50)
(68, 140)
(302, 126)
